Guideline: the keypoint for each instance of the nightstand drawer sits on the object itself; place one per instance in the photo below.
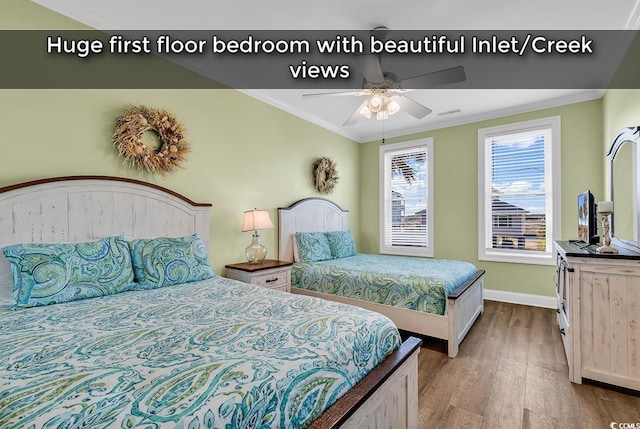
(270, 274)
(272, 280)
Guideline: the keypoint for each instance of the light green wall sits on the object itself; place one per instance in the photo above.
(621, 109)
(456, 190)
(245, 154)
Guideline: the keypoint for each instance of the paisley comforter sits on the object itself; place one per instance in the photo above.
(414, 283)
(212, 354)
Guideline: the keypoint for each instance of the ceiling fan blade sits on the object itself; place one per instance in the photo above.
(371, 68)
(412, 107)
(356, 115)
(336, 94)
(442, 77)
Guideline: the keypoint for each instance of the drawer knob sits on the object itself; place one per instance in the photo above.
(272, 280)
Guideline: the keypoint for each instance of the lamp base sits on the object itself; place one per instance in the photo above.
(607, 250)
(255, 252)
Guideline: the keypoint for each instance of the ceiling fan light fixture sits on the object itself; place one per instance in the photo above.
(365, 111)
(382, 115)
(381, 104)
(392, 106)
(375, 103)
(384, 91)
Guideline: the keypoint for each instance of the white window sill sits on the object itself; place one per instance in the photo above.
(428, 253)
(509, 257)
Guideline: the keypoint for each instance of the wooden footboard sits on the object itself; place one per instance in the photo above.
(386, 398)
(464, 307)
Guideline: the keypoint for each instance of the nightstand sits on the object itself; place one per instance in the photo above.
(270, 274)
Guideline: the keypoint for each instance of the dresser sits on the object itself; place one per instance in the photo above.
(270, 274)
(598, 312)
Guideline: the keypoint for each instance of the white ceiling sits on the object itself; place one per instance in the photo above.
(331, 112)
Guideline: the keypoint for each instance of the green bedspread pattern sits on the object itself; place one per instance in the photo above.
(212, 354)
(414, 283)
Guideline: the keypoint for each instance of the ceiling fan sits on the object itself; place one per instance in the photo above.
(385, 91)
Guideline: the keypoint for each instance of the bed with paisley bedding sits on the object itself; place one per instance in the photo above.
(440, 298)
(129, 332)
(399, 281)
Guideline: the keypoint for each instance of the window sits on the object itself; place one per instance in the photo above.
(519, 191)
(406, 198)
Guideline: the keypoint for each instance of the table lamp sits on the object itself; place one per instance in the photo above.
(256, 220)
(605, 208)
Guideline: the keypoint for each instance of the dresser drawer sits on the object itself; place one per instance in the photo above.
(272, 280)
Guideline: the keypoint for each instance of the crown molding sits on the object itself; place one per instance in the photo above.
(257, 94)
(587, 95)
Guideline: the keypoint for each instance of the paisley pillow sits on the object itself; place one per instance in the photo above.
(341, 243)
(48, 273)
(167, 261)
(313, 246)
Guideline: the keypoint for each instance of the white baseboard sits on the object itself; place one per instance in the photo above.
(520, 298)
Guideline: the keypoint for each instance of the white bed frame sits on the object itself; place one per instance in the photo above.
(82, 208)
(464, 306)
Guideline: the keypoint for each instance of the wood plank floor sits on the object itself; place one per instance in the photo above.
(511, 372)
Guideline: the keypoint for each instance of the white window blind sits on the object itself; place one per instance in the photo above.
(519, 191)
(406, 212)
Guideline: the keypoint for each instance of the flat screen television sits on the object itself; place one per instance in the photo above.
(587, 219)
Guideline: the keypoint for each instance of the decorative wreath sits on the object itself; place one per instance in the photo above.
(133, 123)
(325, 175)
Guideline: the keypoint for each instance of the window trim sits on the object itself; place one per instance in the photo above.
(399, 250)
(513, 255)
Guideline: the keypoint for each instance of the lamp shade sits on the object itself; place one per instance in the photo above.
(605, 207)
(255, 220)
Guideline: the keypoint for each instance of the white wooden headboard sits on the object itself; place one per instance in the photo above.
(85, 208)
(308, 215)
